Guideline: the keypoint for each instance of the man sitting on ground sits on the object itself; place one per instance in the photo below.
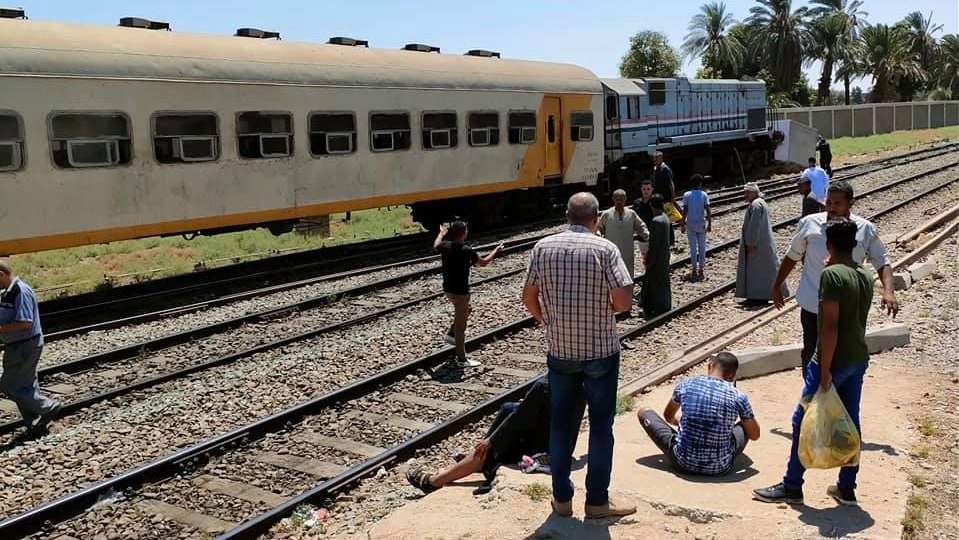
(519, 429)
(709, 436)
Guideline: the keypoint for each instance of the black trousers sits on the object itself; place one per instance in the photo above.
(810, 336)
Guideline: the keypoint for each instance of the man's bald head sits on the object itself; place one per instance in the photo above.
(582, 209)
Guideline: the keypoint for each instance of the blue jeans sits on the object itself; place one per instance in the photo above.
(597, 380)
(697, 247)
(848, 383)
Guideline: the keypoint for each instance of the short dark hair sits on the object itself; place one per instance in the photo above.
(727, 363)
(457, 228)
(696, 179)
(812, 160)
(657, 201)
(842, 187)
(646, 182)
(841, 235)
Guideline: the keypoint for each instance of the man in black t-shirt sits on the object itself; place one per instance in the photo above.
(458, 258)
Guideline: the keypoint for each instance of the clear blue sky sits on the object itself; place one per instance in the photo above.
(591, 34)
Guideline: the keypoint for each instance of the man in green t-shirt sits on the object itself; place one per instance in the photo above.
(841, 358)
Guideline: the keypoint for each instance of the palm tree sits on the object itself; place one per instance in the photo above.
(949, 64)
(779, 39)
(709, 38)
(825, 41)
(854, 19)
(921, 40)
(887, 55)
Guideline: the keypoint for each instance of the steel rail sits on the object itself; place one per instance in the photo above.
(72, 504)
(61, 329)
(70, 316)
(261, 524)
(84, 363)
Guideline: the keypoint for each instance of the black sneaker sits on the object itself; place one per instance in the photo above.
(39, 426)
(845, 497)
(779, 494)
(420, 479)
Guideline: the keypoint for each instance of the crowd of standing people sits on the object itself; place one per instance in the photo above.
(580, 279)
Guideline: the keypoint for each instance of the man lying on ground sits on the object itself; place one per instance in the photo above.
(519, 429)
(709, 435)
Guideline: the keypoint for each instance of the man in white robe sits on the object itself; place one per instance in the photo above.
(620, 225)
(758, 260)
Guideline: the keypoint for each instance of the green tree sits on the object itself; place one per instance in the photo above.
(649, 55)
(825, 38)
(857, 98)
(947, 72)
(746, 35)
(709, 39)
(847, 50)
(920, 34)
(779, 40)
(888, 57)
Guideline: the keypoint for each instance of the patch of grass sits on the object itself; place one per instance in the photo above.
(915, 519)
(850, 146)
(953, 303)
(927, 428)
(777, 338)
(537, 491)
(89, 267)
(917, 481)
(922, 453)
(625, 403)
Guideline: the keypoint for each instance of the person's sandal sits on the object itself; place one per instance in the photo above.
(420, 479)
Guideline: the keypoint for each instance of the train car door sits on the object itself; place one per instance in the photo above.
(554, 137)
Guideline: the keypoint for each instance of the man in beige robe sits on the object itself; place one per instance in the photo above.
(620, 225)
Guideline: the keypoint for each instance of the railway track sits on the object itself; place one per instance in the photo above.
(322, 426)
(96, 378)
(176, 295)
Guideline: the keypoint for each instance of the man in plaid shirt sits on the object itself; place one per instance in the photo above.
(709, 436)
(576, 283)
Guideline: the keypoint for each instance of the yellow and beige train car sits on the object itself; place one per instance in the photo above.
(110, 133)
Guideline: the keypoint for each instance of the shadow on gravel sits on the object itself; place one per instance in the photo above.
(836, 522)
(572, 527)
(866, 446)
(742, 469)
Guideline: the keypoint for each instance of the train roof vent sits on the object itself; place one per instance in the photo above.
(147, 24)
(256, 33)
(12, 13)
(483, 53)
(348, 41)
(420, 47)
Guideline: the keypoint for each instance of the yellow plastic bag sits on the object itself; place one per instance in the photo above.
(827, 436)
(672, 212)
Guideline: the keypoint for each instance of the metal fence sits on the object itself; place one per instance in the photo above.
(870, 119)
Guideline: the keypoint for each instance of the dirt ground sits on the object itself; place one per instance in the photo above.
(697, 508)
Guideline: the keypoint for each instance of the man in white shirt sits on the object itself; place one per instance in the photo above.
(818, 180)
(809, 246)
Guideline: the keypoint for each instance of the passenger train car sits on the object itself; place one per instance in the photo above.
(110, 133)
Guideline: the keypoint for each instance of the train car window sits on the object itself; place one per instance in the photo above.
(484, 129)
(264, 135)
(185, 137)
(581, 126)
(11, 143)
(612, 107)
(332, 133)
(389, 131)
(633, 105)
(551, 128)
(81, 140)
(439, 130)
(657, 93)
(522, 127)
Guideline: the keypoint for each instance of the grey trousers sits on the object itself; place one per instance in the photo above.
(19, 379)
